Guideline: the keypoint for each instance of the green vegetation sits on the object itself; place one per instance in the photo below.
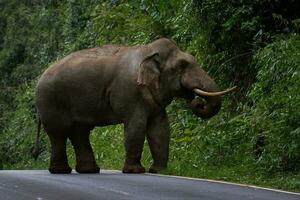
(252, 44)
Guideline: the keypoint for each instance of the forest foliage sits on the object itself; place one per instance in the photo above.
(252, 44)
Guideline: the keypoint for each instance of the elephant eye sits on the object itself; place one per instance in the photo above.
(183, 64)
(183, 67)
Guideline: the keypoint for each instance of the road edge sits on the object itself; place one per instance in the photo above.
(227, 183)
(217, 181)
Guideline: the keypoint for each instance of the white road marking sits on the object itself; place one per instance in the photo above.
(107, 171)
(113, 190)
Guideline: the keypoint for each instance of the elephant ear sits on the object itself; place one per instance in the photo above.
(149, 71)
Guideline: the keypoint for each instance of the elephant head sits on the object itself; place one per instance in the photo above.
(168, 72)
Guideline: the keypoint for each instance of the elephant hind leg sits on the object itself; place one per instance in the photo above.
(85, 160)
(59, 161)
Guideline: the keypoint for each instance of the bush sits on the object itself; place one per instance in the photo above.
(18, 137)
(276, 103)
(232, 31)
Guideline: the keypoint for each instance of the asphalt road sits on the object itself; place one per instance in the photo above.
(41, 185)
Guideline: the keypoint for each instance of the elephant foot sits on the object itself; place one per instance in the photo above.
(155, 169)
(60, 169)
(137, 169)
(87, 170)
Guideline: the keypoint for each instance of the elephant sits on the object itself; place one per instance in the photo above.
(115, 84)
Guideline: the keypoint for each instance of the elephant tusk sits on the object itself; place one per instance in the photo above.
(212, 94)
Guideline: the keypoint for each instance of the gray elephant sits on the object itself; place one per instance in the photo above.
(120, 84)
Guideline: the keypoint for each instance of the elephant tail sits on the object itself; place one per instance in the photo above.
(36, 149)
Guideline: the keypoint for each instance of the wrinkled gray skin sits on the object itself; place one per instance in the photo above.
(118, 84)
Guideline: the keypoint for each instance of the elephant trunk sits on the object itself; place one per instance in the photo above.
(199, 83)
(206, 108)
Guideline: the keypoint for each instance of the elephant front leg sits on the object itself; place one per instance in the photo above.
(158, 136)
(134, 143)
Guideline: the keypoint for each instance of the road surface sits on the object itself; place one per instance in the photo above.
(41, 185)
